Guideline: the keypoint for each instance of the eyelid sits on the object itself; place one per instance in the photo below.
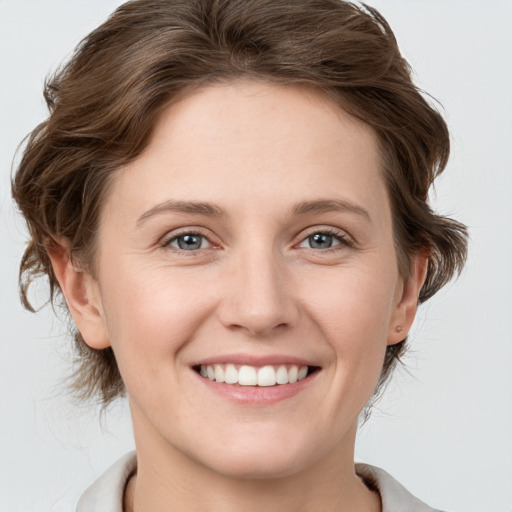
(344, 238)
(169, 237)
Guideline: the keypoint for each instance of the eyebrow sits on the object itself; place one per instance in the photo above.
(329, 205)
(212, 210)
(188, 207)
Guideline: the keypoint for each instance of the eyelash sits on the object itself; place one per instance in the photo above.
(166, 242)
(343, 239)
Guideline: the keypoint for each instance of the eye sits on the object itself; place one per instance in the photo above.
(189, 242)
(322, 240)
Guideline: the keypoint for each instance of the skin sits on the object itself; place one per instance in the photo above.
(255, 288)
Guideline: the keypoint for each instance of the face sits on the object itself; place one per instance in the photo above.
(251, 240)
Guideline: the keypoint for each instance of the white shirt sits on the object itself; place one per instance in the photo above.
(106, 493)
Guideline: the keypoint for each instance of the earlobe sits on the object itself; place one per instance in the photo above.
(405, 310)
(82, 296)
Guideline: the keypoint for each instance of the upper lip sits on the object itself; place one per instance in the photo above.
(254, 360)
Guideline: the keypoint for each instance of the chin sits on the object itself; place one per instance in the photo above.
(264, 466)
(261, 456)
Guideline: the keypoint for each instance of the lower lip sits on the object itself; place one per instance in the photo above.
(257, 395)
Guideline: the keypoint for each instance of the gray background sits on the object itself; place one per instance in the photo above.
(444, 427)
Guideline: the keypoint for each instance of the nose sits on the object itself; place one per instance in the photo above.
(258, 295)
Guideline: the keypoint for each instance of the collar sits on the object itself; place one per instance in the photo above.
(107, 492)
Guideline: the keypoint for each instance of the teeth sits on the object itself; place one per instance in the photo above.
(247, 375)
(266, 376)
(282, 375)
(219, 373)
(231, 374)
(303, 372)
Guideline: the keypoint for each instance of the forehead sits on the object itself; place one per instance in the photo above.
(261, 115)
(255, 140)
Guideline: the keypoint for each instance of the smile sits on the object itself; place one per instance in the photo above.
(245, 375)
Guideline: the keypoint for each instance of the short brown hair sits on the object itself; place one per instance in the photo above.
(105, 101)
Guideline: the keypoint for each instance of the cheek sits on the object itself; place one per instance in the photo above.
(356, 303)
(353, 308)
(151, 313)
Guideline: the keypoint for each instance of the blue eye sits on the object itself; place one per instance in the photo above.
(189, 242)
(321, 240)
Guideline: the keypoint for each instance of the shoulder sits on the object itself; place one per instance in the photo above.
(395, 498)
(106, 493)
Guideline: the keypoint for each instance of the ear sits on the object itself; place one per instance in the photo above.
(82, 296)
(407, 300)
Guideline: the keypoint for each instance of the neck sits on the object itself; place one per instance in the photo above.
(167, 476)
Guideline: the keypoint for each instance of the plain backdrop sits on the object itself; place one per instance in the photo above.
(444, 427)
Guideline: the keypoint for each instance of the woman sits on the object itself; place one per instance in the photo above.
(232, 199)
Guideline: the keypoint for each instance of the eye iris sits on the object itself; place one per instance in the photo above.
(189, 242)
(320, 241)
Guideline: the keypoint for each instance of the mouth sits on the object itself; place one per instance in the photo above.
(256, 376)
